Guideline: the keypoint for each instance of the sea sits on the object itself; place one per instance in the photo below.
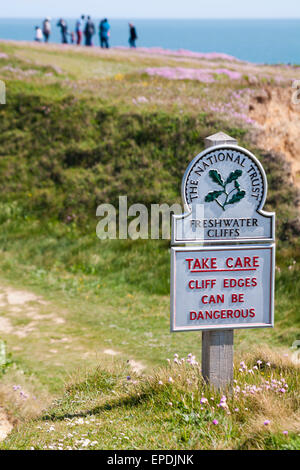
(259, 41)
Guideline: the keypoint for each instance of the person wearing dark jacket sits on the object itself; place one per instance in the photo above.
(132, 35)
(89, 32)
(64, 30)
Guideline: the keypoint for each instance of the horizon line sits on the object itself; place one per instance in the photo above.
(157, 18)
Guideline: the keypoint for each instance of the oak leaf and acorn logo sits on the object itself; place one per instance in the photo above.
(232, 195)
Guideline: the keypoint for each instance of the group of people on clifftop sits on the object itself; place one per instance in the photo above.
(84, 28)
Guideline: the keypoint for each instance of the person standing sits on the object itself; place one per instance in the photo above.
(78, 29)
(132, 35)
(104, 32)
(46, 29)
(64, 31)
(72, 37)
(38, 34)
(89, 32)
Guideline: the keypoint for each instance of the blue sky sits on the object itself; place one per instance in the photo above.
(154, 8)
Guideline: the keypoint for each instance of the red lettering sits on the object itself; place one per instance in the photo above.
(252, 312)
(237, 298)
(197, 264)
(189, 260)
(229, 313)
(193, 315)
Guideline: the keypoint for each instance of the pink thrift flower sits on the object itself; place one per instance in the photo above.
(267, 422)
(215, 422)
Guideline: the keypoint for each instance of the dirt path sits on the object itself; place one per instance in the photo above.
(37, 333)
(20, 306)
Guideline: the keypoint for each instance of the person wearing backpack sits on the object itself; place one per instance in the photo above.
(89, 32)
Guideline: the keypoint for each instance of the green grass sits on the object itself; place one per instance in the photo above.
(69, 140)
(114, 410)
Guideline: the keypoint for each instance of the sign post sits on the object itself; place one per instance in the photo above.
(222, 275)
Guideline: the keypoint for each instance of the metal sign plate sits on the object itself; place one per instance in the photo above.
(222, 287)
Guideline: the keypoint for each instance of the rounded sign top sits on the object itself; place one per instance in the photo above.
(224, 190)
(225, 179)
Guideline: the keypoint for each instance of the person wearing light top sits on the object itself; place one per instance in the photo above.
(38, 34)
(46, 29)
(78, 29)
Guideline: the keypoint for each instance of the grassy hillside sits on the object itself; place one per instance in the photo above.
(81, 128)
(172, 409)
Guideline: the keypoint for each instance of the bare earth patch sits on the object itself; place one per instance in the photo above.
(110, 352)
(5, 425)
(136, 366)
(5, 326)
(15, 297)
(19, 303)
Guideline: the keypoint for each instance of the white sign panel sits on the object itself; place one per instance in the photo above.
(223, 191)
(222, 287)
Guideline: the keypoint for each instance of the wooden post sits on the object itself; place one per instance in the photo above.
(217, 346)
(217, 357)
